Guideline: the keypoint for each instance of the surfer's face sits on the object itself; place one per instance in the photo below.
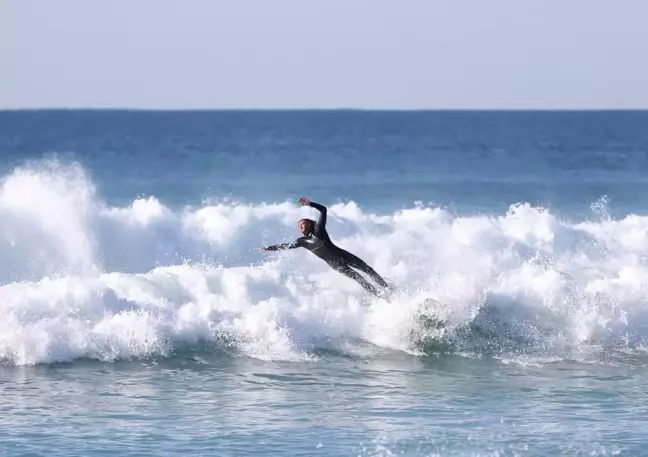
(304, 227)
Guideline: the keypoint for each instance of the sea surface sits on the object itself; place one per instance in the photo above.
(137, 318)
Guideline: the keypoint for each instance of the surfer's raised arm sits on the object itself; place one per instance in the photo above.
(321, 222)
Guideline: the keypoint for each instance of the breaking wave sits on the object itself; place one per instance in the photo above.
(82, 279)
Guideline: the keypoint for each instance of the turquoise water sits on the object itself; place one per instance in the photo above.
(390, 405)
(136, 318)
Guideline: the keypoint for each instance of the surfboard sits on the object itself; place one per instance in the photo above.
(426, 315)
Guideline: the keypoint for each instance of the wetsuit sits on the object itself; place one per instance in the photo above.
(320, 244)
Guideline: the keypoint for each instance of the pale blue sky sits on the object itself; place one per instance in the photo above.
(336, 53)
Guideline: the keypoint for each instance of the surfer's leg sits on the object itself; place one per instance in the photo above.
(345, 270)
(357, 262)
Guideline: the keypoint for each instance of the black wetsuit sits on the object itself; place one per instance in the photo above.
(320, 244)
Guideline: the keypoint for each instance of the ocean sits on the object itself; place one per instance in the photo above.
(137, 318)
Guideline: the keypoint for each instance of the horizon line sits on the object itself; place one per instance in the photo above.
(315, 109)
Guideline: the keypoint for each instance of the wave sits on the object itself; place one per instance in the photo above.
(83, 279)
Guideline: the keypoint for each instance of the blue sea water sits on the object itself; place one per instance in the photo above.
(136, 318)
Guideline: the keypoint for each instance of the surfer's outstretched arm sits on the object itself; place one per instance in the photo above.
(283, 246)
(321, 222)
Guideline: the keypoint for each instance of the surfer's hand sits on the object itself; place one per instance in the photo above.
(304, 201)
(259, 249)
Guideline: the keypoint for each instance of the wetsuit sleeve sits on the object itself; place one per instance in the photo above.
(321, 222)
(283, 246)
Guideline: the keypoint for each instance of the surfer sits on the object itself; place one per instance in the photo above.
(317, 240)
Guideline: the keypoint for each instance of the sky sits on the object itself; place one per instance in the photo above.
(284, 54)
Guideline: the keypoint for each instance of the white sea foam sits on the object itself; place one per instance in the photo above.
(81, 279)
